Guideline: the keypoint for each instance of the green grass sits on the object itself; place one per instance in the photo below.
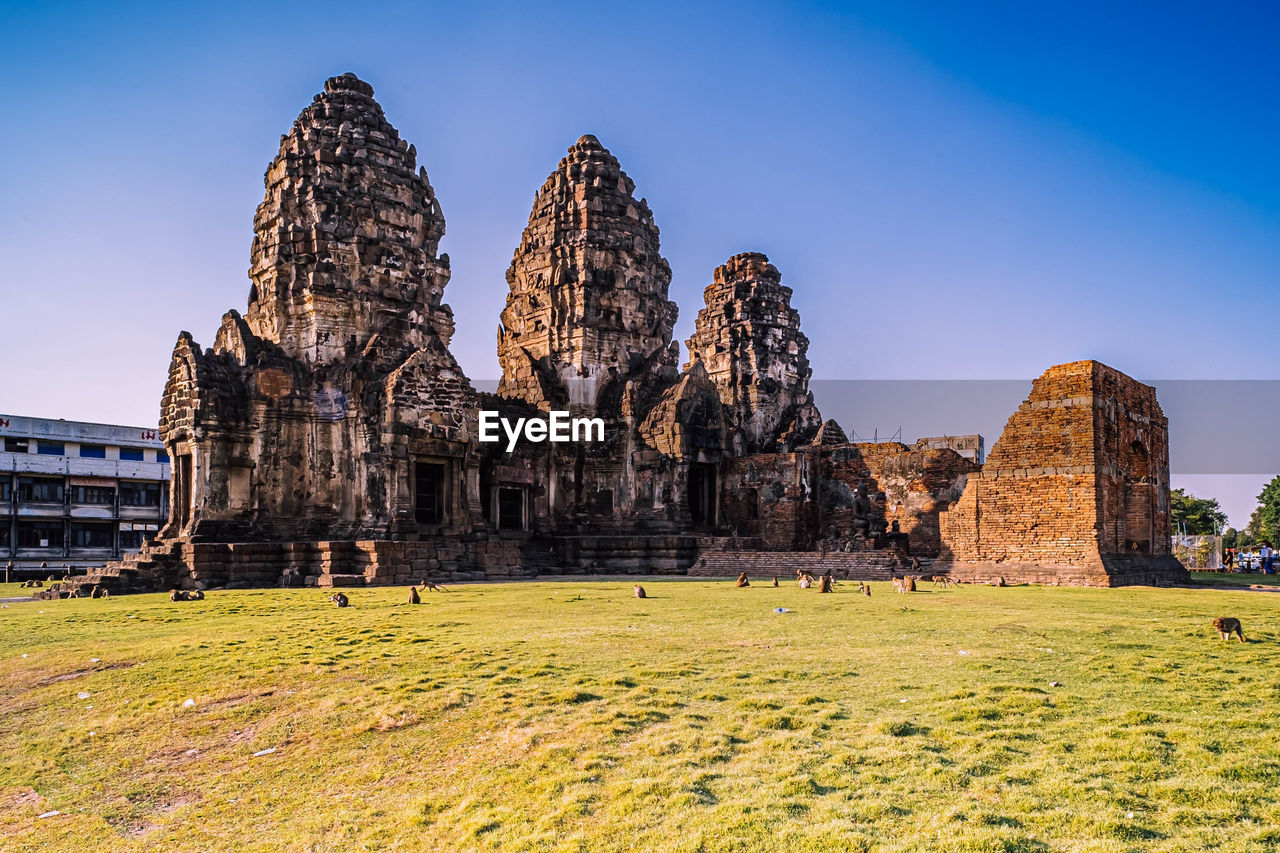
(571, 716)
(1232, 579)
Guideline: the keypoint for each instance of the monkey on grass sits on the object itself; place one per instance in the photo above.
(1228, 625)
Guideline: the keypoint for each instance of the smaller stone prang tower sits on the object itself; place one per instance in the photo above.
(749, 341)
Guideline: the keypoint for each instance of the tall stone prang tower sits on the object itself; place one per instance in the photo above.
(333, 408)
(749, 341)
(345, 240)
(588, 306)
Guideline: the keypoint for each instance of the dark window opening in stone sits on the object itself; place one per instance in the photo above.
(37, 490)
(182, 500)
(131, 540)
(6, 490)
(428, 488)
(702, 493)
(511, 509)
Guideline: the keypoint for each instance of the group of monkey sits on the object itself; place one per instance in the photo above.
(827, 582)
(340, 599)
(1224, 625)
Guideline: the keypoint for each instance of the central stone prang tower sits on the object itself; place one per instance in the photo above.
(588, 308)
(748, 340)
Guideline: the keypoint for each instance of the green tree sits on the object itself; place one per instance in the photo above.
(1196, 516)
(1265, 521)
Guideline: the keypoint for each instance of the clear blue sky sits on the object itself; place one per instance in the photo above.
(954, 190)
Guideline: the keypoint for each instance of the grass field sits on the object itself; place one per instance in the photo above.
(571, 716)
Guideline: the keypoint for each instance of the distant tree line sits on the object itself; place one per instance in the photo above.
(1264, 524)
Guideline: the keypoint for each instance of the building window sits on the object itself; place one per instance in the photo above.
(41, 491)
(95, 495)
(511, 509)
(16, 445)
(51, 448)
(139, 494)
(6, 489)
(162, 456)
(429, 493)
(40, 534)
(131, 540)
(90, 535)
(93, 451)
(131, 454)
(4, 536)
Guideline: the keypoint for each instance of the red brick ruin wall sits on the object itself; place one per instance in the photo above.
(1076, 488)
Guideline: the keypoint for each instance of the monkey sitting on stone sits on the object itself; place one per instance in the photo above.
(742, 580)
(638, 591)
(1228, 625)
(339, 599)
(414, 598)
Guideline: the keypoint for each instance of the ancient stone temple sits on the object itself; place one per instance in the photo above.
(329, 437)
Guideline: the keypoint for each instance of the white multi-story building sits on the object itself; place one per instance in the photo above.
(78, 494)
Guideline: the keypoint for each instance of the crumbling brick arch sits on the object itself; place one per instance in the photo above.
(1139, 499)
